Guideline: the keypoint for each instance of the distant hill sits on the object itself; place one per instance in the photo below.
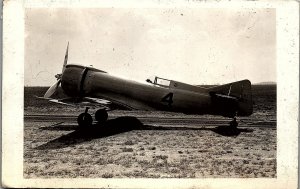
(266, 83)
(206, 86)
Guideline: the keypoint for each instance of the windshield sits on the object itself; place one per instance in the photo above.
(161, 81)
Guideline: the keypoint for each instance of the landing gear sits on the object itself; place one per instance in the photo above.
(233, 124)
(85, 119)
(101, 115)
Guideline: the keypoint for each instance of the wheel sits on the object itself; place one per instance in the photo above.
(101, 115)
(84, 119)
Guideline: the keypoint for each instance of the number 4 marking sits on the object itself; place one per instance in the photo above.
(168, 98)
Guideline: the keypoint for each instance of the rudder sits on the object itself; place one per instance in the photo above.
(238, 92)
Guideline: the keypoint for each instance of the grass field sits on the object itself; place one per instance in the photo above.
(148, 154)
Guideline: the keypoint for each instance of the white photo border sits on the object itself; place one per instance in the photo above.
(287, 33)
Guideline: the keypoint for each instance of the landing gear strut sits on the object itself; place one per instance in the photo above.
(233, 124)
(85, 119)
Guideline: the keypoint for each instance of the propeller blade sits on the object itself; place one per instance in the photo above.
(52, 89)
(66, 59)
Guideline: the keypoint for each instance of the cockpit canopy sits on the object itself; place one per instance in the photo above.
(159, 81)
(171, 84)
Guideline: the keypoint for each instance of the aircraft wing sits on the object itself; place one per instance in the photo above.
(123, 101)
(88, 102)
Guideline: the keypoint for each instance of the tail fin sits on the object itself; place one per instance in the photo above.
(239, 92)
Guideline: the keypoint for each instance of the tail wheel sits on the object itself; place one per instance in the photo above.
(233, 124)
(84, 119)
(101, 115)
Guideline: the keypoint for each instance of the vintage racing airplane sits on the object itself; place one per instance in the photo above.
(83, 83)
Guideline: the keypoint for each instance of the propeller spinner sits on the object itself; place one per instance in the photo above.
(54, 87)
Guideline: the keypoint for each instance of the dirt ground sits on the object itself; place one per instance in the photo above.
(131, 149)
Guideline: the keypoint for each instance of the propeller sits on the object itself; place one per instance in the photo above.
(54, 87)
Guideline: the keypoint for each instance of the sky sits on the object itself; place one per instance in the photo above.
(192, 45)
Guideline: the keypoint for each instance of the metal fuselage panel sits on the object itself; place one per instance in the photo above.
(82, 81)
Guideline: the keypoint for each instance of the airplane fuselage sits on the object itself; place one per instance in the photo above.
(80, 81)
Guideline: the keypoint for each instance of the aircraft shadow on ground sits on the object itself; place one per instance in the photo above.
(117, 126)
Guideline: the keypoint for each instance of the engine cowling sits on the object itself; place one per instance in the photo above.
(72, 80)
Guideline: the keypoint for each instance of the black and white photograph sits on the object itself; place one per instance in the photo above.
(210, 110)
(151, 92)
